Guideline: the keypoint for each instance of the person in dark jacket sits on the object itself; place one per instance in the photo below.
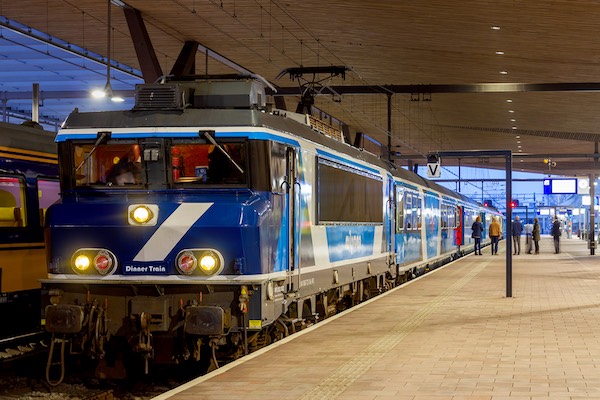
(477, 229)
(517, 229)
(535, 235)
(556, 235)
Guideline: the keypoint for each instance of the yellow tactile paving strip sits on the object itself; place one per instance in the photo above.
(452, 335)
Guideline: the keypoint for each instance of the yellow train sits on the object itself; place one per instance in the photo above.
(28, 186)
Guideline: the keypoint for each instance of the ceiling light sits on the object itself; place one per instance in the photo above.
(519, 147)
(518, 137)
(495, 28)
(514, 127)
(509, 101)
(513, 120)
(518, 142)
(503, 73)
(98, 93)
(511, 111)
(108, 92)
(499, 53)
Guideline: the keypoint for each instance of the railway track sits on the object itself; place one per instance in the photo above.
(16, 347)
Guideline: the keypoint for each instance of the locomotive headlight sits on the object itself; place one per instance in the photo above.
(199, 262)
(82, 262)
(142, 214)
(103, 261)
(209, 262)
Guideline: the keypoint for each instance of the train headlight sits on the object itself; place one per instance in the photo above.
(103, 261)
(210, 262)
(187, 262)
(82, 263)
(142, 214)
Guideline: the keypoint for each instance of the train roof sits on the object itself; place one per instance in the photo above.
(25, 137)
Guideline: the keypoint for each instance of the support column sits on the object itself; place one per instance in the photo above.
(592, 230)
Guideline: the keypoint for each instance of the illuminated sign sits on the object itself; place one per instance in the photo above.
(560, 186)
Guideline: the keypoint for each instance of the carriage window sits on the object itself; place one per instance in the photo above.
(12, 202)
(412, 211)
(417, 212)
(444, 216)
(348, 195)
(399, 209)
(408, 220)
(48, 193)
(451, 217)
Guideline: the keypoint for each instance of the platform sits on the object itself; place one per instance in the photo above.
(451, 334)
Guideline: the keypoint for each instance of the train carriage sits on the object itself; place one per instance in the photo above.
(28, 186)
(200, 222)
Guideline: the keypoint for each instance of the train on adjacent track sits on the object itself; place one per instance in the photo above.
(203, 224)
(28, 186)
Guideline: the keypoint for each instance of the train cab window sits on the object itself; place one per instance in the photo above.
(107, 164)
(12, 202)
(202, 163)
(278, 168)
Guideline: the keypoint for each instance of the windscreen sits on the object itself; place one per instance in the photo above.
(123, 164)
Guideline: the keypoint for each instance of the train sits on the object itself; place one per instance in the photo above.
(28, 186)
(204, 224)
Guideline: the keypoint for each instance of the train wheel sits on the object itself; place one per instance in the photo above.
(278, 330)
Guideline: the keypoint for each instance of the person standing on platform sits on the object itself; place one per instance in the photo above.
(535, 235)
(517, 229)
(495, 232)
(477, 229)
(528, 228)
(556, 235)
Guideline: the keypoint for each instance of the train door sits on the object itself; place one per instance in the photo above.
(292, 208)
(391, 218)
(399, 233)
(460, 222)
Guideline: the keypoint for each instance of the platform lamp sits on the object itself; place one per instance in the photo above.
(108, 91)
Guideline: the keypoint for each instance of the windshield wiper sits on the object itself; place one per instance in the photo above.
(102, 136)
(218, 146)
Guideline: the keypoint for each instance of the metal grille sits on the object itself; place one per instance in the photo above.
(158, 97)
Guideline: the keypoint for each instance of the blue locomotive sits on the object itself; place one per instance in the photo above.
(201, 225)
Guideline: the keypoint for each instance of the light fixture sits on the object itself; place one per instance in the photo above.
(108, 91)
(499, 53)
(503, 73)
